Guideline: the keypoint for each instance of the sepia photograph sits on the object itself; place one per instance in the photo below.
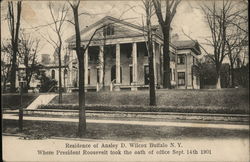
(117, 80)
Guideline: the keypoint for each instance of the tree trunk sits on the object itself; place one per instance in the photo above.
(13, 74)
(60, 76)
(15, 47)
(152, 97)
(231, 76)
(166, 59)
(218, 84)
(82, 118)
(81, 92)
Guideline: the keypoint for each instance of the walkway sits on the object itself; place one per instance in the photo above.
(41, 100)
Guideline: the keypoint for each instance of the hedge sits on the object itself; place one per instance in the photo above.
(140, 108)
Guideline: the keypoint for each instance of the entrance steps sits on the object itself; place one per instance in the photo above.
(41, 100)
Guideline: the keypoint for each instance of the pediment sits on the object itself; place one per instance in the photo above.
(121, 29)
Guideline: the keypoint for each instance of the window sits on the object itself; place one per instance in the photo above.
(146, 75)
(109, 30)
(88, 76)
(181, 59)
(53, 74)
(181, 78)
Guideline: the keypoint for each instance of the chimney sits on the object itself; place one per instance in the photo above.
(174, 37)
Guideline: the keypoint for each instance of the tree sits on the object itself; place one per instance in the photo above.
(80, 56)
(28, 49)
(234, 48)
(170, 11)
(149, 13)
(80, 52)
(5, 63)
(58, 22)
(14, 27)
(236, 40)
(218, 17)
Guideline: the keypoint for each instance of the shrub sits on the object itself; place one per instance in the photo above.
(47, 83)
(139, 108)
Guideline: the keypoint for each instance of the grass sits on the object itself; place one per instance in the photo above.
(47, 129)
(225, 100)
(13, 101)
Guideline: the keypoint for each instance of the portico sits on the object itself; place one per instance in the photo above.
(119, 59)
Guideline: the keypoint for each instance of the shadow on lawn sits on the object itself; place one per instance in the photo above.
(45, 129)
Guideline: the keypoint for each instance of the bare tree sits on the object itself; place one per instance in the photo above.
(165, 23)
(80, 56)
(6, 59)
(80, 52)
(58, 21)
(148, 4)
(219, 17)
(14, 27)
(235, 43)
(28, 49)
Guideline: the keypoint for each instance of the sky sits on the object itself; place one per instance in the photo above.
(188, 18)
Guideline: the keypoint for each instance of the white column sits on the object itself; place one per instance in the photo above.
(134, 51)
(134, 62)
(154, 63)
(118, 64)
(86, 66)
(101, 63)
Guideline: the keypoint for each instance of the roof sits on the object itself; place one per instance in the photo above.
(104, 19)
(115, 20)
(188, 44)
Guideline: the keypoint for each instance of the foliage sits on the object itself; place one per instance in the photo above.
(140, 108)
(47, 84)
(225, 77)
(242, 76)
(28, 48)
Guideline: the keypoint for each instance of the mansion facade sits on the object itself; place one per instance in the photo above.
(117, 58)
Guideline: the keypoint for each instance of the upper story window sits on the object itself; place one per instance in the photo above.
(108, 30)
(53, 74)
(181, 59)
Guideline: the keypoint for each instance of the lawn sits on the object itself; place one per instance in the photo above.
(47, 129)
(13, 101)
(233, 99)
